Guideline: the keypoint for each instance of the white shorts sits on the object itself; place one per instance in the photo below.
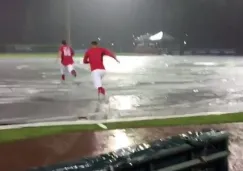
(69, 68)
(97, 76)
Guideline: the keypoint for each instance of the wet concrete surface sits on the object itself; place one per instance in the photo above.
(21, 155)
(30, 89)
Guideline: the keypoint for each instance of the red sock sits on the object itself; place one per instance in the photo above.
(63, 77)
(101, 90)
(74, 73)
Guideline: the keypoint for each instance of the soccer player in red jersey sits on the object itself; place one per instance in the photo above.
(94, 57)
(66, 54)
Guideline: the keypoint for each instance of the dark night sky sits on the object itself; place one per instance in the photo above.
(209, 23)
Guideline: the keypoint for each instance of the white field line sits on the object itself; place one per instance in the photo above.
(99, 122)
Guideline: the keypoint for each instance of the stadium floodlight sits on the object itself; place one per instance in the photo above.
(157, 36)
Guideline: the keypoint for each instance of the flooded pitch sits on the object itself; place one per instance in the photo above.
(30, 89)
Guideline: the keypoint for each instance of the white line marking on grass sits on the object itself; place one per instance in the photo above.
(102, 126)
(98, 122)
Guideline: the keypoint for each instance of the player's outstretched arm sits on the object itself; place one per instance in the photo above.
(109, 53)
(117, 60)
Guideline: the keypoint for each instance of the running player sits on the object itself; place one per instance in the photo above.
(66, 54)
(94, 57)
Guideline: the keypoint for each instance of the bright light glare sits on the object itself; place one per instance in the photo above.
(124, 102)
(121, 140)
(157, 36)
(116, 140)
(128, 64)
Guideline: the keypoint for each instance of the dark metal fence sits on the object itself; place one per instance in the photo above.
(30, 48)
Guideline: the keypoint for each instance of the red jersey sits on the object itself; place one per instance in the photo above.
(66, 55)
(94, 56)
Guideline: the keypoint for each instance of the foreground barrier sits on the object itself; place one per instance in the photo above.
(194, 151)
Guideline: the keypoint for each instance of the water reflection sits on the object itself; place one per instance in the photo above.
(120, 140)
(205, 63)
(129, 102)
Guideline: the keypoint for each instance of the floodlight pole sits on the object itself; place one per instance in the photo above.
(68, 22)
